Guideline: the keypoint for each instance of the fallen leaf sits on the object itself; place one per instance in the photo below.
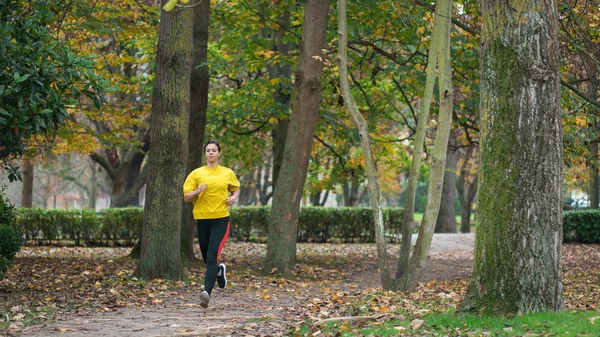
(416, 324)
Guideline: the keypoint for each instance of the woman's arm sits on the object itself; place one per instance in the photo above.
(188, 197)
(233, 197)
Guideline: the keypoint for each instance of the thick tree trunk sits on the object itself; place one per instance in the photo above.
(27, 188)
(446, 221)
(160, 250)
(519, 232)
(199, 84)
(283, 225)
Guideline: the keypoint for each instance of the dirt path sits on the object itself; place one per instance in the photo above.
(248, 308)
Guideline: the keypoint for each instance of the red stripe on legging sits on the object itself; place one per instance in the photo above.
(223, 241)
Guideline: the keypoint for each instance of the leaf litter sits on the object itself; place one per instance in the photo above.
(78, 291)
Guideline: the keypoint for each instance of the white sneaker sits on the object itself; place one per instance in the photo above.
(204, 299)
(221, 277)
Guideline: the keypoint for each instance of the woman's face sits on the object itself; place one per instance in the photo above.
(212, 152)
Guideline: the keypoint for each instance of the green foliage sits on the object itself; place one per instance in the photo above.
(10, 239)
(120, 226)
(581, 226)
(7, 214)
(40, 78)
(10, 243)
(567, 323)
(318, 224)
(123, 226)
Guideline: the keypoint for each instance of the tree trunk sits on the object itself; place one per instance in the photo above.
(92, 186)
(519, 232)
(27, 189)
(418, 261)
(467, 189)
(437, 37)
(282, 71)
(365, 140)
(594, 179)
(593, 167)
(160, 250)
(199, 84)
(446, 221)
(283, 224)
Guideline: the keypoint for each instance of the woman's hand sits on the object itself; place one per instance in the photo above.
(201, 189)
(231, 200)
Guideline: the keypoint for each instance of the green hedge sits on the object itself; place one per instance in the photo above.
(316, 224)
(10, 238)
(581, 226)
(123, 226)
(116, 226)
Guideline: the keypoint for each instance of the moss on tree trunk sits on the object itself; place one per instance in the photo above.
(160, 250)
(519, 232)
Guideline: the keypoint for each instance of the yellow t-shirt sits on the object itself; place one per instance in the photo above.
(210, 204)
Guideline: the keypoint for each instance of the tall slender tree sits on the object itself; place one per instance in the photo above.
(160, 251)
(283, 224)
(519, 233)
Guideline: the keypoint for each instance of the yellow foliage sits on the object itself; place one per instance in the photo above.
(169, 6)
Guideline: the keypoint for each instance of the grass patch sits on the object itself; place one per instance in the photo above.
(564, 324)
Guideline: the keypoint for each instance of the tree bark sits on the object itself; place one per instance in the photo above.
(283, 224)
(592, 111)
(467, 189)
(27, 188)
(418, 261)
(199, 84)
(446, 221)
(160, 250)
(365, 140)
(282, 71)
(519, 232)
(413, 178)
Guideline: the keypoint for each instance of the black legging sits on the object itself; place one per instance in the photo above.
(212, 235)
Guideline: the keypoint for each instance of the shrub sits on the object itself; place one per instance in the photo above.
(581, 226)
(10, 239)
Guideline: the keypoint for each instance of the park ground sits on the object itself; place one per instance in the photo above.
(75, 291)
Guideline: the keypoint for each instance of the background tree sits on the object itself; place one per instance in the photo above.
(519, 234)
(283, 224)
(160, 252)
(199, 84)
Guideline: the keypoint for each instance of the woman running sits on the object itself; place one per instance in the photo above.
(212, 188)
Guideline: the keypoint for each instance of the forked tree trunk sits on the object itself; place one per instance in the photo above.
(283, 224)
(413, 177)
(519, 232)
(160, 250)
(199, 83)
(440, 36)
(418, 261)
